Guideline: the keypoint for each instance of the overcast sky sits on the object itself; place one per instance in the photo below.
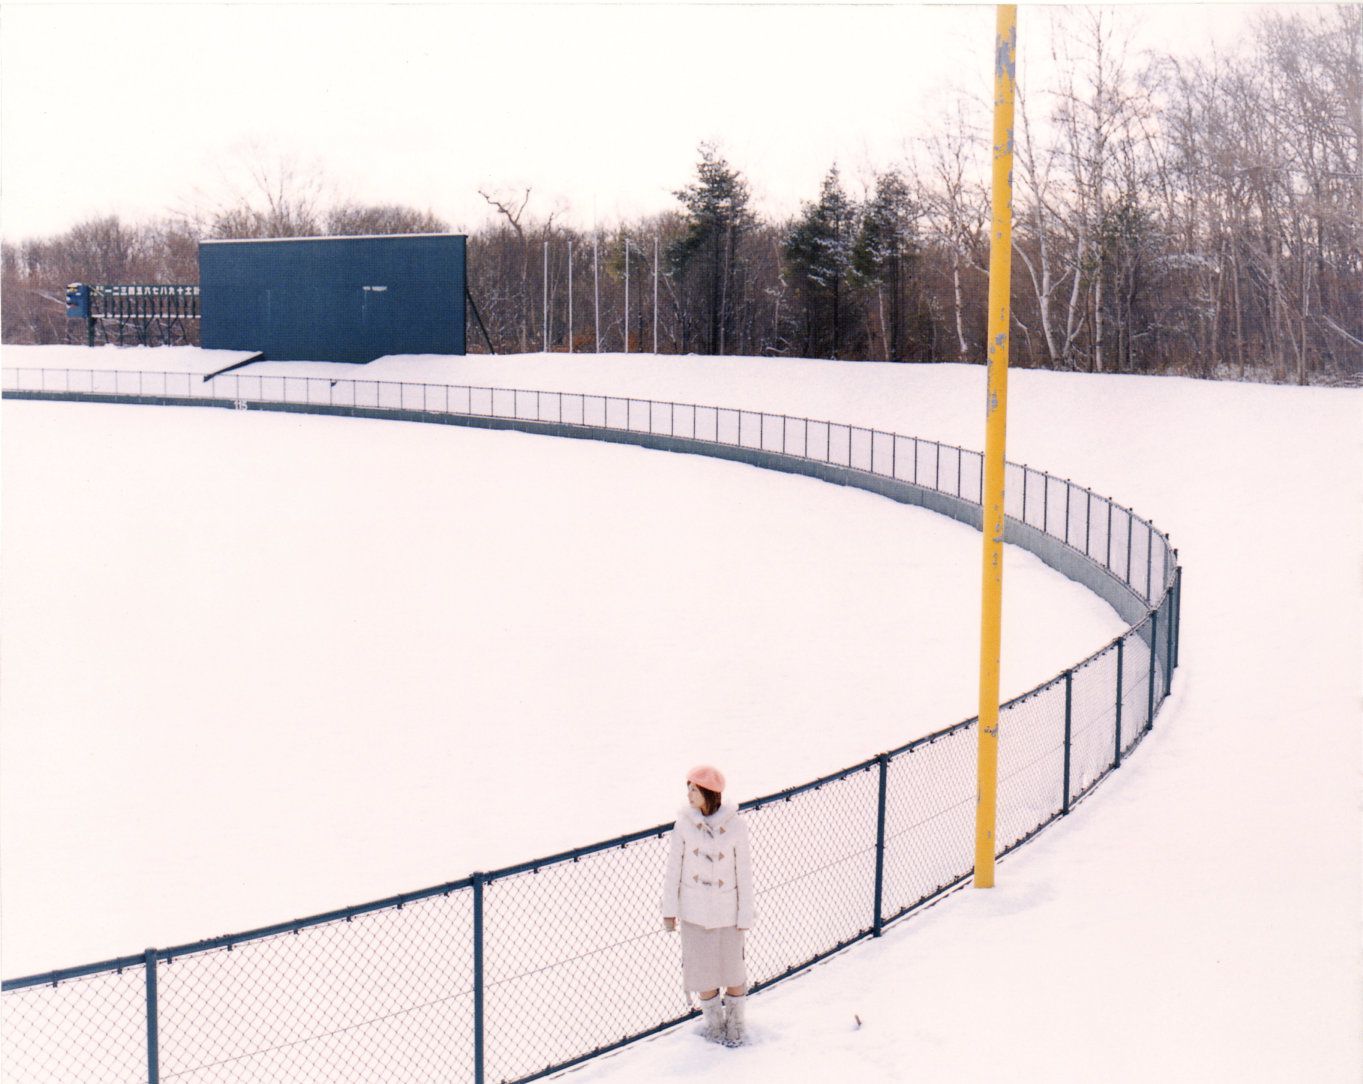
(143, 109)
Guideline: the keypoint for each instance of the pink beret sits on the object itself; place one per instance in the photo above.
(710, 778)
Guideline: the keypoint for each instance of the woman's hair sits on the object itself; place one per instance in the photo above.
(710, 799)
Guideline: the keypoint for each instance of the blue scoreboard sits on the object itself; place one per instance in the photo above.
(335, 298)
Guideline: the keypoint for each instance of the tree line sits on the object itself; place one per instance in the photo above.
(1198, 217)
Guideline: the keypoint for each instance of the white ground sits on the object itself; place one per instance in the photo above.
(1198, 919)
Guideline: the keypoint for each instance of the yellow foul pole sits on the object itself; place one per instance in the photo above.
(996, 417)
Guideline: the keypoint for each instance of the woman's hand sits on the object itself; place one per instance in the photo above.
(670, 925)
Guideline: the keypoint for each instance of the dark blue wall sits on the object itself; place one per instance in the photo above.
(336, 298)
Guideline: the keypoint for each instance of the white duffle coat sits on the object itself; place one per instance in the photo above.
(709, 870)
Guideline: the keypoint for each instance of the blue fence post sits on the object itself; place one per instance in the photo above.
(1069, 490)
(1177, 624)
(878, 924)
(1149, 558)
(478, 985)
(1154, 658)
(1117, 755)
(1069, 700)
(1107, 560)
(1128, 551)
(153, 1043)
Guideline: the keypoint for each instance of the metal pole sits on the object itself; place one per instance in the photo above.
(1154, 658)
(1149, 557)
(996, 413)
(1117, 754)
(1107, 560)
(153, 1043)
(1069, 715)
(1177, 641)
(1128, 548)
(596, 289)
(626, 295)
(546, 297)
(878, 921)
(570, 295)
(655, 295)
(479, 1052)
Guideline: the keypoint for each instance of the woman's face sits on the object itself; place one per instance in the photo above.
(694, 796)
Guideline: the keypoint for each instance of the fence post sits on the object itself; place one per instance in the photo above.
(1069, 489)
(478, 985)
(1154, 658)
(878, 924)
(153, 1044)
(1128, 551)
(1045, 502)
(1117, 755)
(1069, 700)
(1149, 558)
(1107, 561)
(1178, 622)
(1088, 521)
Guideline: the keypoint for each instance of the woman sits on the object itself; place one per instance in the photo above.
(708, 887)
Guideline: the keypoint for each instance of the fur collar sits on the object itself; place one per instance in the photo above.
(716, 820)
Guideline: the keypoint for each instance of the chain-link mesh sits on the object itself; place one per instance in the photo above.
(1093, 720)
(814, 860)
(929, 819)
(575, 958)
(1031, 772)
(385, 995)
(90, 1028)
(1135, 684)
(570, 951)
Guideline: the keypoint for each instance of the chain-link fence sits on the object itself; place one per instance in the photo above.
(519, 973)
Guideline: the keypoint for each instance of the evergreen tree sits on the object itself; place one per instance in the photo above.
(885, 250)
(818, 248)
(708, 251)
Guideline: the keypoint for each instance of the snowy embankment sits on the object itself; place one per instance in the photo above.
(1198, 919)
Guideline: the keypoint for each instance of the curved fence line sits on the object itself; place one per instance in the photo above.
(525, 971)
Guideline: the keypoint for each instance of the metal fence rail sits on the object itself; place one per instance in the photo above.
(522, 972)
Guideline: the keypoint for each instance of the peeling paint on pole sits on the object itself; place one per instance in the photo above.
(996, 417)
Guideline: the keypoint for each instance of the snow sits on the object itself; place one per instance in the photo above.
(1197, 918)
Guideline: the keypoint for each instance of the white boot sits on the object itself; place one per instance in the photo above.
(712, 1022)
(735, 1029)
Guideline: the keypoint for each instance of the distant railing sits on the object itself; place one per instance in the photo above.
(522, 972)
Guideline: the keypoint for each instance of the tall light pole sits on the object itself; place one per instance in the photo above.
(996, 419)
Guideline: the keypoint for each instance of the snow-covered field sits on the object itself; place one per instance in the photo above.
(1197, 920)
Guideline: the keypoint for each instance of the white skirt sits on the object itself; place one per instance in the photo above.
(712, 958)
